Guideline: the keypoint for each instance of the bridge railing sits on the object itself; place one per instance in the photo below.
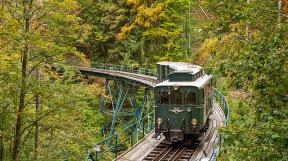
(112, 146)
(222, 102)
(136, 70)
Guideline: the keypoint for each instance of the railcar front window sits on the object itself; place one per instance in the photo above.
(163, 97)
(190, 98)
(176, 97)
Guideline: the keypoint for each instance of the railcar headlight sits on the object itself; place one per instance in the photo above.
(159, 121)
(176, 87)
(205, 159)
(194, 122)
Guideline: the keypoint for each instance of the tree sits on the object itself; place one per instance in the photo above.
(36, 37)
(139, 32)
(160, 27)
(106, 18)
(257, 65)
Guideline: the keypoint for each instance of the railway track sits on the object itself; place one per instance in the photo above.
(143, 79)
(169, 152)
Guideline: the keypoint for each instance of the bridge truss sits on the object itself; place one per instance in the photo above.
(127, 103)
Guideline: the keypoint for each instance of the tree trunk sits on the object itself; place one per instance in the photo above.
(2, 124)
(17, 136)
(36, 141)
(27, 7)
(247, 23)
(279, 12)
(1, 142)
(11, 137)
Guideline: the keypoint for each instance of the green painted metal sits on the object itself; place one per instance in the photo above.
(164, 110)
(136, 70)
(116, 106)
(222, 102)
(142, 106)
(119, 92)
(123, 139)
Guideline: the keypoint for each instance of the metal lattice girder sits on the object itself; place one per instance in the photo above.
(126, 99)
(144, 101)
(116, 104)
(134, 102)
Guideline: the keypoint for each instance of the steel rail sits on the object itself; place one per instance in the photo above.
(142, 79)
(170, 153)
(158, 152)
(164, 154)
(177, 154)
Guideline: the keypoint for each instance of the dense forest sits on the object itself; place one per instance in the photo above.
(48, 111)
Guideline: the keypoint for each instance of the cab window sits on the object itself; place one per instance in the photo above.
(163, 97)
(176, 97)
(190, 98)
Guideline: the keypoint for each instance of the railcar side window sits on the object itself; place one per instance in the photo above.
(163, 97)
(190, 98)
(176, 97)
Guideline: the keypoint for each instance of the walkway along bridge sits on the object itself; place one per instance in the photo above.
(127, 85)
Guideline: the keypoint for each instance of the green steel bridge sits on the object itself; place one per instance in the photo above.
(131, 87)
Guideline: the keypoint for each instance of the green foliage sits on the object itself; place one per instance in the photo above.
(38, 39)
(70, 124)
(249, 48)
(106, 18)
(141, 31)
(243, 44)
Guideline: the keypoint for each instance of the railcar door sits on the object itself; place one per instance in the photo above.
(176, 115)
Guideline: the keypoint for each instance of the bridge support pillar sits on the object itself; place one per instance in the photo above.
(127, 104)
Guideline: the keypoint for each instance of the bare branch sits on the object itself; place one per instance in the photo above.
(38, 26)
(41, 61)
(38, 119)
(203, 11)
(25, 138)
(27, 102)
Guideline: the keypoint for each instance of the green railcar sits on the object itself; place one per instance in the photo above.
(183, 100)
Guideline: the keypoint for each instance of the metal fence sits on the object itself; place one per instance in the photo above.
(112, 146)
(136, 70)
(222, 102)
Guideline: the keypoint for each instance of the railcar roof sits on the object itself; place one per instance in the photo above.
(181, 67)
(199, 83)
